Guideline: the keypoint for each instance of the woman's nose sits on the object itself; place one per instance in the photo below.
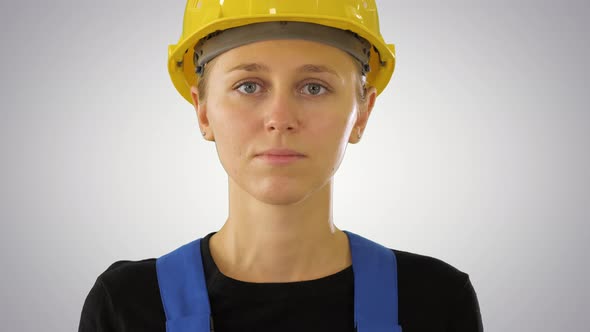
(282, 114)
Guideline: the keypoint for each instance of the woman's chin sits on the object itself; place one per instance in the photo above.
(282, 191)
(281, 196)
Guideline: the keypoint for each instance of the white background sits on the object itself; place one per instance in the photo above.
(476, 153)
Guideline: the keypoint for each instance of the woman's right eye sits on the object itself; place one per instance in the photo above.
(248, 88)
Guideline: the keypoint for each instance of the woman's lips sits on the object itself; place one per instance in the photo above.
(280, 156)
(280, 152)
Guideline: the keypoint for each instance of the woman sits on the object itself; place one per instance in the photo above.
(282, 89)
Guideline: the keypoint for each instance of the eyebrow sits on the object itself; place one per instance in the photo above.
(317, 69)
(250, 67)
(308, 68)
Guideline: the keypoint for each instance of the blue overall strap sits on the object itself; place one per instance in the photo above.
(183, 289)
(375, 286)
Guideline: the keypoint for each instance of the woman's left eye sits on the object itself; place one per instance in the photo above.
(314, 89)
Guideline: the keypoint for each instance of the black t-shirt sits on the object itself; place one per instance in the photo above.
(433, 296)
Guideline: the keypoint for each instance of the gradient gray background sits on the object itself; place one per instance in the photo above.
(477, 153)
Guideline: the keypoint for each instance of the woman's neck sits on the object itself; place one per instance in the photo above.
(263, 242)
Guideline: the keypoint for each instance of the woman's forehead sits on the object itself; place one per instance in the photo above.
(300, 55)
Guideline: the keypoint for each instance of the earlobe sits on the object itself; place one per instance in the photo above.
(365, 109)
(355, 135)
(201, 110)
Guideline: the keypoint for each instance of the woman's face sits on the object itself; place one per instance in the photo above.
(282, 94)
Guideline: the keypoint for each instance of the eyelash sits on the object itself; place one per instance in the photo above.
(242, 84)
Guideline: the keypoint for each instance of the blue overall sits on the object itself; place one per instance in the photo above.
(186, 303)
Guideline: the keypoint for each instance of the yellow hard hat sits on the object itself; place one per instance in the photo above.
(203, 17)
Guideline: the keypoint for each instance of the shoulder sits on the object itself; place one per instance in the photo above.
(431, 285)
(126, 275)
(428, 269)
(429, 276)
(132, 286)
(125, 291)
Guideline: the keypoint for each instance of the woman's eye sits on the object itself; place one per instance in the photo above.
(314, 89)
(248, 88)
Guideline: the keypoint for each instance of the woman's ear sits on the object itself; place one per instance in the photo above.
(364, 111)
(201, 110)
